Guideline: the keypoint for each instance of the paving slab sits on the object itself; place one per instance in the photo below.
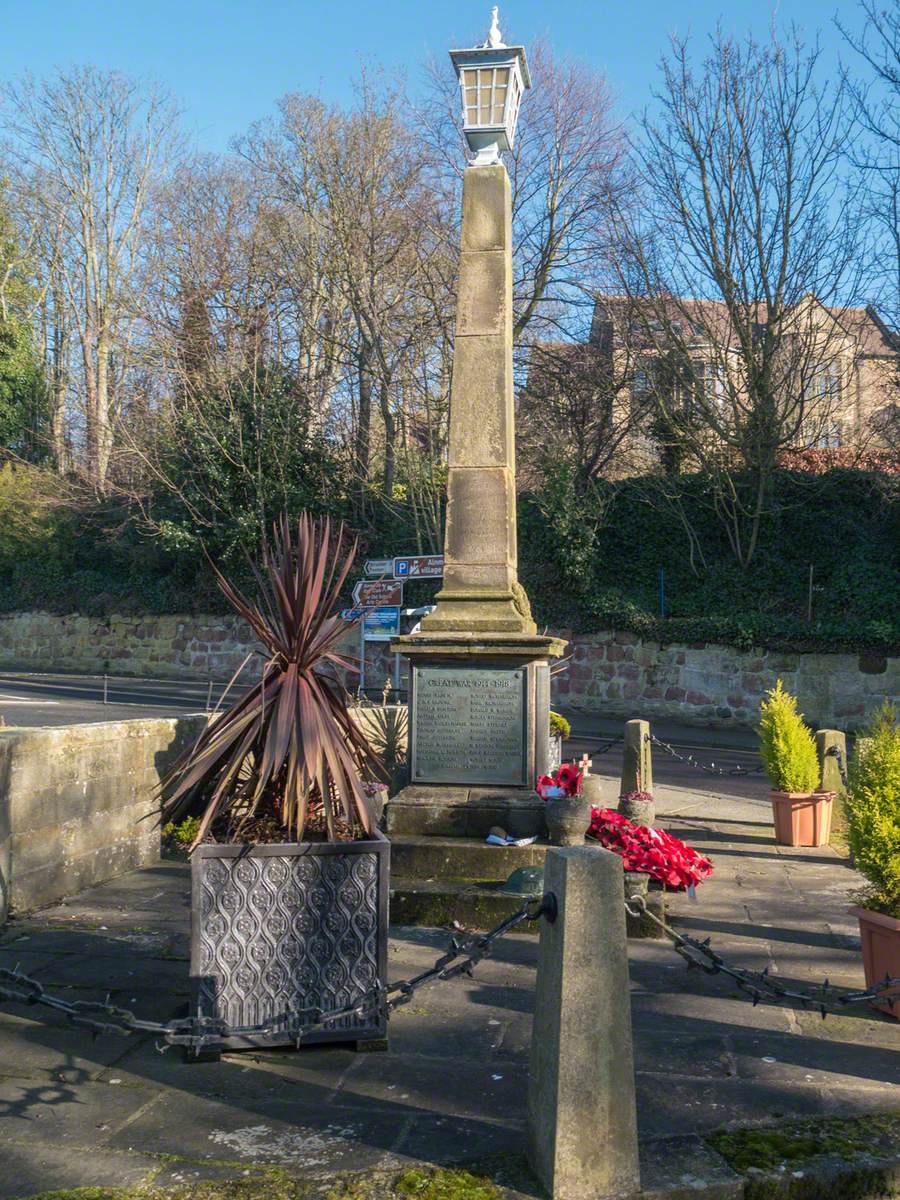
(452, 1087)
(30, 1169)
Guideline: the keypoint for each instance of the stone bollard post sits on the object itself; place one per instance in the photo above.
(829, 772)
(582, 1137)
(637, 772)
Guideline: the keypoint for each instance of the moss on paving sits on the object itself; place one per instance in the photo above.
(412, 1184)
(819, 1158)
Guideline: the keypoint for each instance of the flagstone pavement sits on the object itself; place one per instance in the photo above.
(76, 1112)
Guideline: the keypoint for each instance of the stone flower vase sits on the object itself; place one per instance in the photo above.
(568, 818)
(802, 818)
(880, 938)
(640, 812)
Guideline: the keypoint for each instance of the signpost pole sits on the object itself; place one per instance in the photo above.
(362, 658)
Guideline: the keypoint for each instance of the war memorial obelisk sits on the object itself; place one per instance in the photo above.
(479, 673)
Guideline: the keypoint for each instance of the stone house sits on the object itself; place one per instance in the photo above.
(843, 362)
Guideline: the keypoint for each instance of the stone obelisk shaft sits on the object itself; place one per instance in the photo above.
(481, 591)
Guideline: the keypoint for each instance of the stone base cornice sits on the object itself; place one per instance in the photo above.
(479, 645)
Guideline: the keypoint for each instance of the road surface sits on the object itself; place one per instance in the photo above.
(41, 700)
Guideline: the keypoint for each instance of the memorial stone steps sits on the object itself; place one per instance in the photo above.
(422, 857)
(442, 881)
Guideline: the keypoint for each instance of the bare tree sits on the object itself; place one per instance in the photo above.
(876, 151)
(573, 411)
(876, 154)
(354, 194)
(737, 259)
(92, 142)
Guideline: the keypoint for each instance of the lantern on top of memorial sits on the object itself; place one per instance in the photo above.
(492, 78)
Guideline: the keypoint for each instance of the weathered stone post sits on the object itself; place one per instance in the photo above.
(582, 1121)
(827, 742)
(637, 770)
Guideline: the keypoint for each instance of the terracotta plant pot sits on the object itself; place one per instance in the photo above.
(802, 818)
(880, 937)
(568, 818)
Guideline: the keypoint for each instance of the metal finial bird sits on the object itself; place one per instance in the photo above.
(494, 37)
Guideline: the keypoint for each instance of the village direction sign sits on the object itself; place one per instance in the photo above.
(416, 566)
(420, 566)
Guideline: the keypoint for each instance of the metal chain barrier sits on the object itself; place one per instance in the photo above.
(760, 985)
(203, 1033)
(710, 768)
(609, 745)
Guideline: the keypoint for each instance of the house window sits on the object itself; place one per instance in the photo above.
(821, 435)
(710, 378)
(641, 386)
(827, 383)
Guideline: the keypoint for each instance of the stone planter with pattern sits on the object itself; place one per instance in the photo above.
(276, 928)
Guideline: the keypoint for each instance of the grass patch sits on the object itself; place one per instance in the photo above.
(786, 1146)
(412, 1184)
(839, 840)
(444, 1185)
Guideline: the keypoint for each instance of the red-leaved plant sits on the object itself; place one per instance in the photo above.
(288, 746)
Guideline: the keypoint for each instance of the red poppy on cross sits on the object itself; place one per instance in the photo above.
(585, 763)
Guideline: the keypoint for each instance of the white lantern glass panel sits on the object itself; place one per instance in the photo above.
(485, 76)
(499, 89)
(470, 96)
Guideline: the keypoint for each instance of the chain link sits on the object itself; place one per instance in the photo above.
(200, 1033)
(760, 985)
(710, 768)
(609, 745)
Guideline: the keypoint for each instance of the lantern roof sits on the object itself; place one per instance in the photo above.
(493, 50)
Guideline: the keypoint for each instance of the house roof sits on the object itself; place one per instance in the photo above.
(872, 335)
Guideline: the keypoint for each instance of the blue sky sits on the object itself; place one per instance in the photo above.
(227, 61)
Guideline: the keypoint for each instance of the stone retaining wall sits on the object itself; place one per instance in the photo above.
(172, 647)
(613, 673)
(71, 803)
(175, 647)
(703, 682)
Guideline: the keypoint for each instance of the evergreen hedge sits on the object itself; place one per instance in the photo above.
(589, 559)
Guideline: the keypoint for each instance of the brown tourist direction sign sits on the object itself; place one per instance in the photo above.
(378, 593)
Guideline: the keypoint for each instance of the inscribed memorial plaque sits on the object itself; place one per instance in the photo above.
(469, 725)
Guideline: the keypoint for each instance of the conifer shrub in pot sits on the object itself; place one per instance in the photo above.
(872, 805)
(801, 814)
(289, 872)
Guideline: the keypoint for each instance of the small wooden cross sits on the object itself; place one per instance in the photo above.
(585, 763)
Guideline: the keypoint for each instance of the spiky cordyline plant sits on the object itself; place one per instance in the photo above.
(290, 739)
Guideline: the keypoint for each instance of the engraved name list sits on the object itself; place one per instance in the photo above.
(469, 725)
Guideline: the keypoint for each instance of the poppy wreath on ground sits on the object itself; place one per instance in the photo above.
(650, 851)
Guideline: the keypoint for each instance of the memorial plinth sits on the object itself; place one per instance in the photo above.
(479, 672)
